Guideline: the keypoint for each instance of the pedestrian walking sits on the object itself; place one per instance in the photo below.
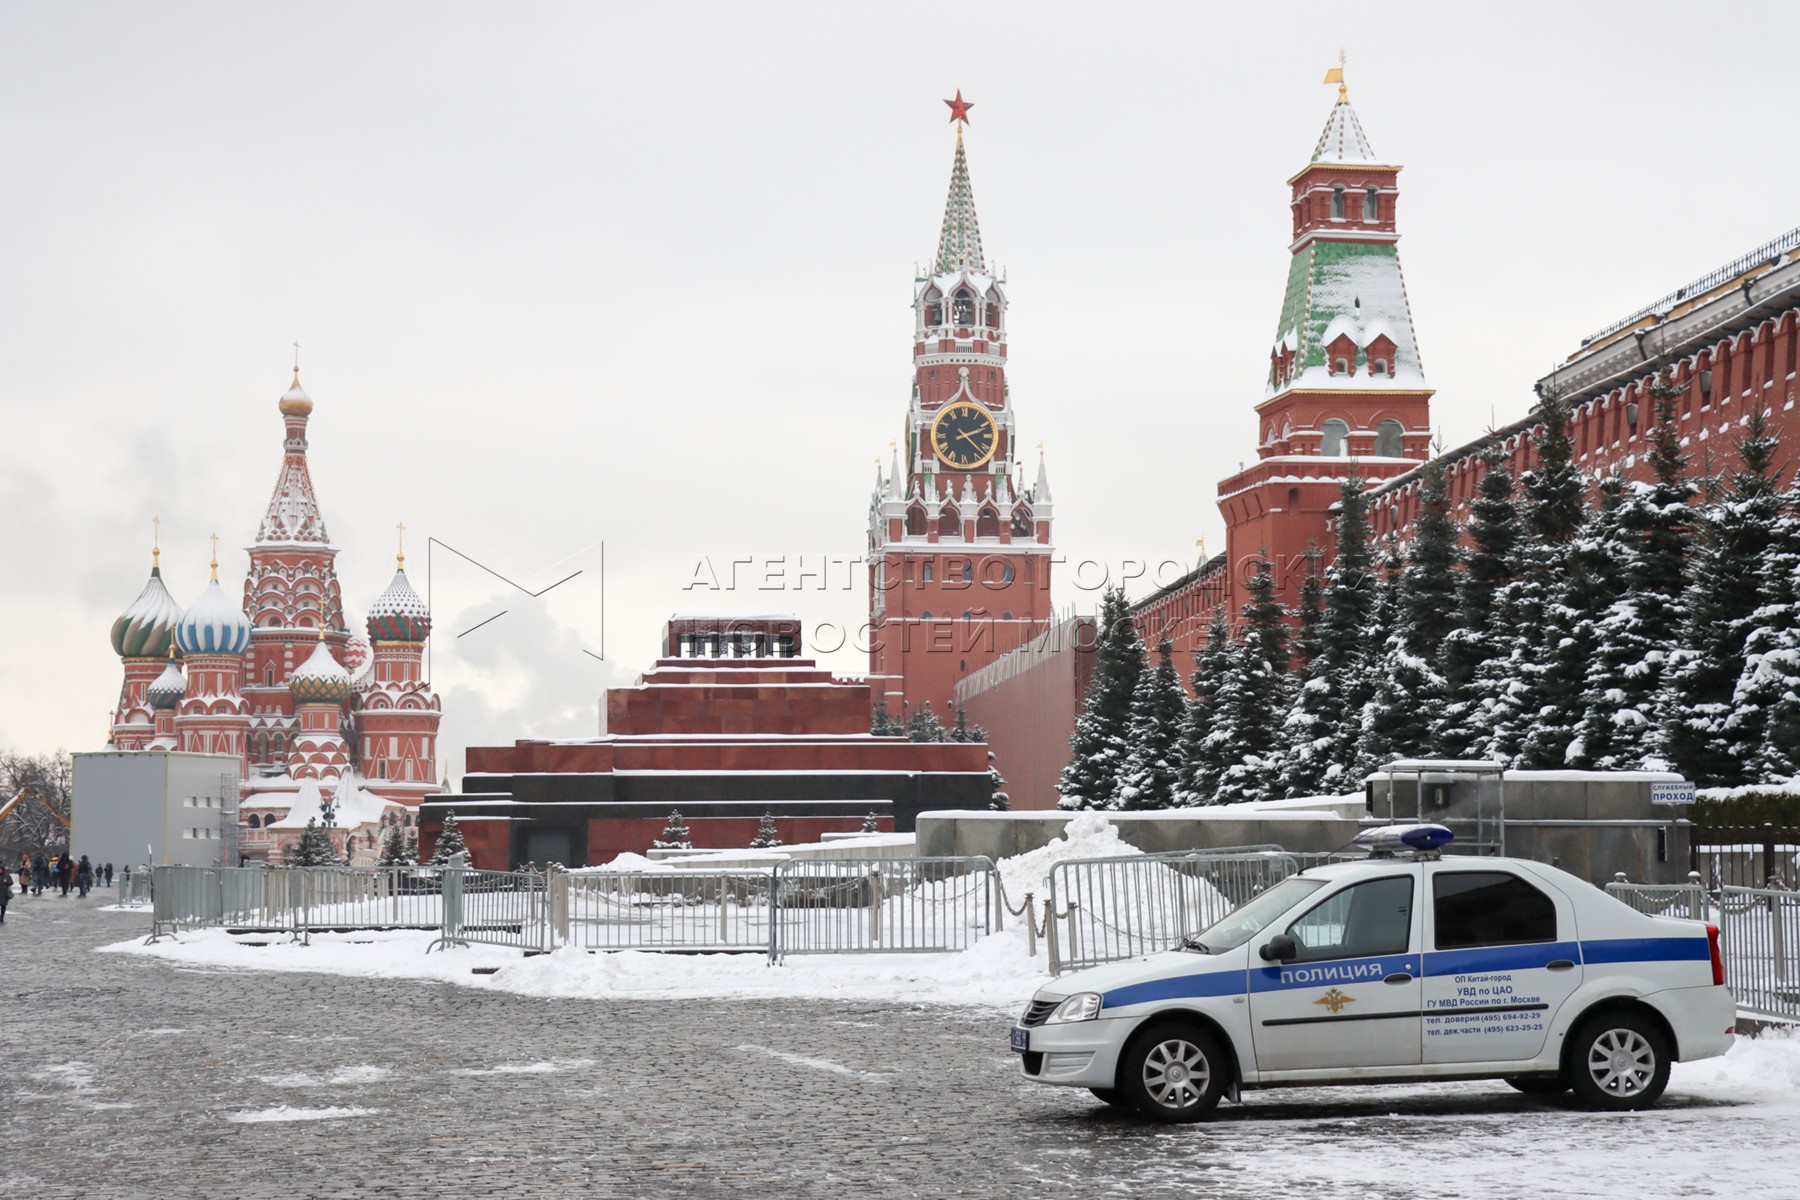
(84, 876)
(125, 878)
(65, 872)
(6, 891)
(108, 874)
(40, 874)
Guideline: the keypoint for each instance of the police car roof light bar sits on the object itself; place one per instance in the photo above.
(1391, 838)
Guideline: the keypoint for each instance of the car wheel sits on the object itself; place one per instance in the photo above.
(1619, 1061)
(1173, 1071)
(1114, 1097)
(1537, 1085)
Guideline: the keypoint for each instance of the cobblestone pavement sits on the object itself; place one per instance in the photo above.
(122, 1076)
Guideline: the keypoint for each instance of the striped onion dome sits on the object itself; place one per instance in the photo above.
(357, 653)
(398, 615)
(320, 679)
(214, 625)
(167, 689)
(142, 631)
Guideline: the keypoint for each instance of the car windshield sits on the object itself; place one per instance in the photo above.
(1253, 916)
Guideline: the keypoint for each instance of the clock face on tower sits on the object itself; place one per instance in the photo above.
(964, 435)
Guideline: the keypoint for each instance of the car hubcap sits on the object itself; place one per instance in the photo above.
(1176, 1074)
(1621, 1062)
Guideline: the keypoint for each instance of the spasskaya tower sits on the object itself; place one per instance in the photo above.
(959, 548)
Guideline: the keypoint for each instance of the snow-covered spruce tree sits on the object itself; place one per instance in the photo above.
(1098, 745)
(1316, 744)
(449, 842)
(998, 800)
(961, 731)
(1309, 609)
(1766, 705)
(1696, 712)
(923, 725)
(675, 835)
(1152, 769)
(1200, 767)
(1506, 692)
(871, 823)
(393, 848)
(1592, 579)
(1253, 697)
(1409, 692)
(314, 849)
(1364, 695)
(883, 725)
(1478, 636)
(410, 850)
(1636, 632)
(767, 838)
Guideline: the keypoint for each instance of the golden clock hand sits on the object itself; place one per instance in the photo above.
(964, 435)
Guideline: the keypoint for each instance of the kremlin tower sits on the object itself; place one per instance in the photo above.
(959, 550)
(1346, 394)
(279, 682)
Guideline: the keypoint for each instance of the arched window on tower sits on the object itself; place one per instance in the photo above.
(934, 309)
(1022, 525)
(987, 523)
(1337, 202)
(915, 521)
(1371, 206)
(965, 307)
(1388, 440)
(950, 523)
(1334, 438)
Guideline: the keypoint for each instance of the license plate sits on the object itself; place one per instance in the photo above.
(1021, 1039)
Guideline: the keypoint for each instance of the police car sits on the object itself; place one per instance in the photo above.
(1402, 967)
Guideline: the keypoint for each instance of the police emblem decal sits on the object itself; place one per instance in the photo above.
(1335, 1000)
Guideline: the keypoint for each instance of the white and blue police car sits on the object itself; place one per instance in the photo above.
(1400, 967)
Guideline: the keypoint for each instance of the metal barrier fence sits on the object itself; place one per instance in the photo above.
(134, 888)
(1751, 856)
(1116, 908)
(1688, 900)
(882, 905)
(664, 910)
(496, 908)
(1758, 929)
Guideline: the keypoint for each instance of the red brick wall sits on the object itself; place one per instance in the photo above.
(1030, 714)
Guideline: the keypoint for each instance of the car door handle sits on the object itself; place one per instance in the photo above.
(1398, 977)
(1561, 964)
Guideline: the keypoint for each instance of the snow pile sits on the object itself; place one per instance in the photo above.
(1765, 1067)
(1089, 835)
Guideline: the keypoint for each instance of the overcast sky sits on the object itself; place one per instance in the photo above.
(641, 275)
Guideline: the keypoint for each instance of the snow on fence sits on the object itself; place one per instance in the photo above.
(1105, 909)
(882, 905)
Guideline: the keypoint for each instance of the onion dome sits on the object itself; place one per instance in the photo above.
(214, 625)
(320, 679)
(398, 615)
(143, 630)
(167, 689)
(295, 402)
(357, 653)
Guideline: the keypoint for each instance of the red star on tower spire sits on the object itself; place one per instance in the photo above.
(959, 108)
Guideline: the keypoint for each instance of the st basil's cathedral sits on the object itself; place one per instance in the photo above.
(326, 725)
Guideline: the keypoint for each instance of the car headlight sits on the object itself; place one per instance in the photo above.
(1082, 1006)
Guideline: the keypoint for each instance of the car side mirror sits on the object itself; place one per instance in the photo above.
(1281, 948)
